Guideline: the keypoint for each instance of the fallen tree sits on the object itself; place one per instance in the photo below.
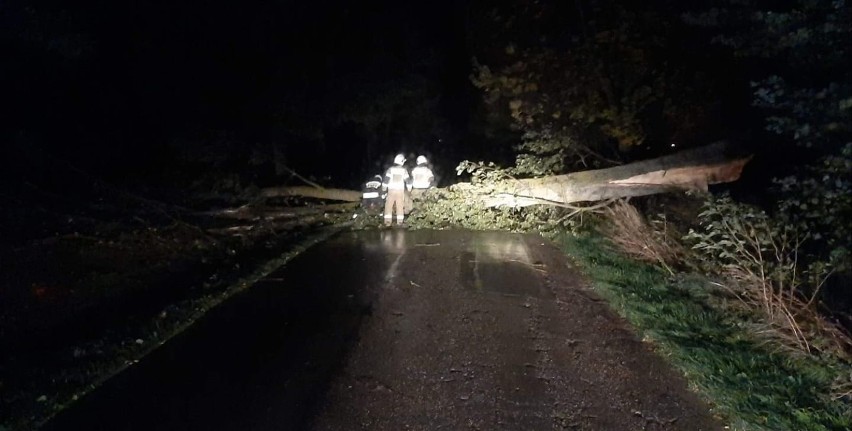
(692, 169)
(312, 192)
(261, 212)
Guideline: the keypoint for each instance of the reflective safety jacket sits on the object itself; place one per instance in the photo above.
(372, 187)
(423, 177)
(397, 178)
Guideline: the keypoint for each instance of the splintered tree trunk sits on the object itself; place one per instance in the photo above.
(312, 192)
(692, 169)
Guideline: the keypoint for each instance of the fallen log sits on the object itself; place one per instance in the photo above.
(692, 169)
(256, 212)
(312, 192)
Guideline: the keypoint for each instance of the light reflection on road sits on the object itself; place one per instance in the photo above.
(393, 240)
(502, 248)
(493, 262)
(393, 243)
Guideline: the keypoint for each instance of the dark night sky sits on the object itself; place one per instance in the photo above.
(134, 87)
(110, 83)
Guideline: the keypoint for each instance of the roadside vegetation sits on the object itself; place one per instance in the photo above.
(743, 287)
(752, 382)
(748, 332)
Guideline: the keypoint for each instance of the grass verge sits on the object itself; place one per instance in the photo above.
(750, 383)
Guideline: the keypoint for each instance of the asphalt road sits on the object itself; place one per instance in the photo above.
(396, 330)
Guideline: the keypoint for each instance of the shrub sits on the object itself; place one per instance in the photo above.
(819, 200)
(761, 257)
(649, 242)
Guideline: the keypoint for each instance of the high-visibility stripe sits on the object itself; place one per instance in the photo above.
(370, 195)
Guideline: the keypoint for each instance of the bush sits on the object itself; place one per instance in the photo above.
(761, 256)
(819, 200)
(649, 242)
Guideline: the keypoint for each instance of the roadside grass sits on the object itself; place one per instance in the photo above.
(750, 383)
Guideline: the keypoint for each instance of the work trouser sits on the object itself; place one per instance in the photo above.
(396, 197)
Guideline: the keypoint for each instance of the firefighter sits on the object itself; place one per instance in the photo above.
(371, 199)
(397, 183)
(423, 177)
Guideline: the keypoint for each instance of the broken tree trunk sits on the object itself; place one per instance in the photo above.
(261, 212)
(692, 169)
(312, 192)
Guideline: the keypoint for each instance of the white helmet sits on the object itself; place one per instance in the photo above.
(399, 159)
(421, 160)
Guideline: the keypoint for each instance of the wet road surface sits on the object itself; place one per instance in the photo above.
(394, 330)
